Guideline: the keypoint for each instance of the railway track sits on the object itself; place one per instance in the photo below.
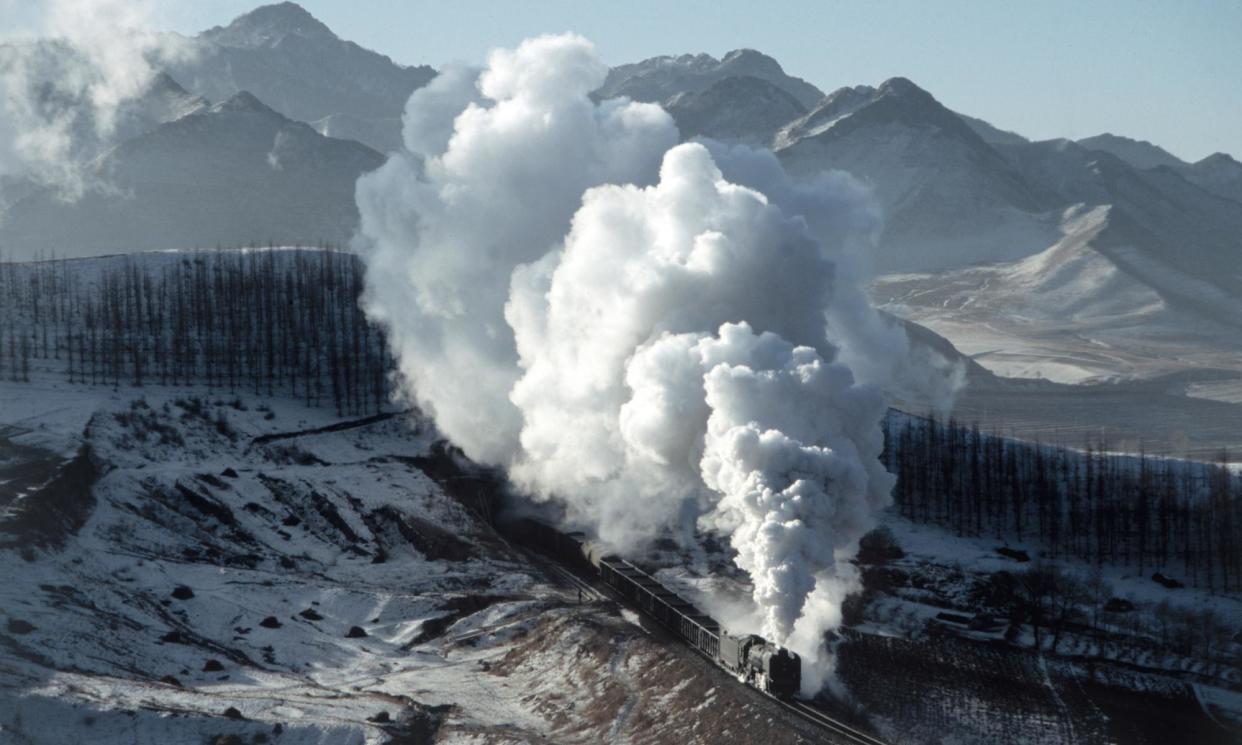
(563, 576)
(842, 732)
(847, 733)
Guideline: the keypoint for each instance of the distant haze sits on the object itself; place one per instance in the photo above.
(1169, 73)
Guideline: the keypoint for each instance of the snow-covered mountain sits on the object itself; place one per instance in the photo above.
(1141, 282)
(298, 66)
(164, 101)
(1164, 229)
(955, 191)
(1218, 173)
(50, 81)
(660, 78)
(1080, 310)
(1036, 256)
(949, 198)
(735, 109)
(233, 173)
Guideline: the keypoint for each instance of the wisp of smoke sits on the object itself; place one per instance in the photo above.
(660, 337)
(61, 94)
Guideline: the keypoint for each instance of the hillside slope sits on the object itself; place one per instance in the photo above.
(201, 563)
(1073, 312)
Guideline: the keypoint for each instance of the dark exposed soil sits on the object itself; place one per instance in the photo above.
(57, 510)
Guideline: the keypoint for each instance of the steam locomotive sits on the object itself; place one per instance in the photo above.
(752, 659)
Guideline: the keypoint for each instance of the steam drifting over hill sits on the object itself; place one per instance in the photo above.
(625, 355)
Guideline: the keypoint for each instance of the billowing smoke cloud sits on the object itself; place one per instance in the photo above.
(495, 169)
(659, 337)
(61, 95)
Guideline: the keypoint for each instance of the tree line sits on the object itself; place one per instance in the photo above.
(289, 322)
(1154, 514)
(266, 321)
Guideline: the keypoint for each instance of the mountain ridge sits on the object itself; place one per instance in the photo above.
(656, 79)
(301, 68)
(233, 173)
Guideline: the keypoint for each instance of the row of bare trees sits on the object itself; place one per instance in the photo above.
(264, 321)
(1153, 514)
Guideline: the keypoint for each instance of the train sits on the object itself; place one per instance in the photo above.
(752, 659)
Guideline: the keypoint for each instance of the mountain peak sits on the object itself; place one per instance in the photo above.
(1138, 153)
(245, 101)
(658, 79)
(268, 24)
(739, 108)
(902, 87)
(165, 82)
(1218, 159)
(752, 59)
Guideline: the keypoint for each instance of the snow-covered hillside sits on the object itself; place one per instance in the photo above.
(1071, 313)
(208, 566)
(256, 552)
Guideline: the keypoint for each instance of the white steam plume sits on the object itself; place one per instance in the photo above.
(61, 93)
(653, 335)
(494, 171)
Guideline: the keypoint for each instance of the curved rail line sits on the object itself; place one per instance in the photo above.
(799, 708)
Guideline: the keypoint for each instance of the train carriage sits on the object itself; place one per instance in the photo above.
(758, 662)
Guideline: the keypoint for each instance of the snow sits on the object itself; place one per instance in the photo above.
(1071, 313)
(475, 648)
(101, 607)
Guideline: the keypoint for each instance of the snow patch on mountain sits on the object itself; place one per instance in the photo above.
(1086, 308)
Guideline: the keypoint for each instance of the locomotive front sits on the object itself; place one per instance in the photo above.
(780, 668)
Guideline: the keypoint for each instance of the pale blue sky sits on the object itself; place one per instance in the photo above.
(1169, 72)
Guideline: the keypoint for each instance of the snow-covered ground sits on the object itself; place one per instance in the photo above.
(1070, 314)
(312, 588)
(979, 687)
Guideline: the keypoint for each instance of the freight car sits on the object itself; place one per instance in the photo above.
(752, 659)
